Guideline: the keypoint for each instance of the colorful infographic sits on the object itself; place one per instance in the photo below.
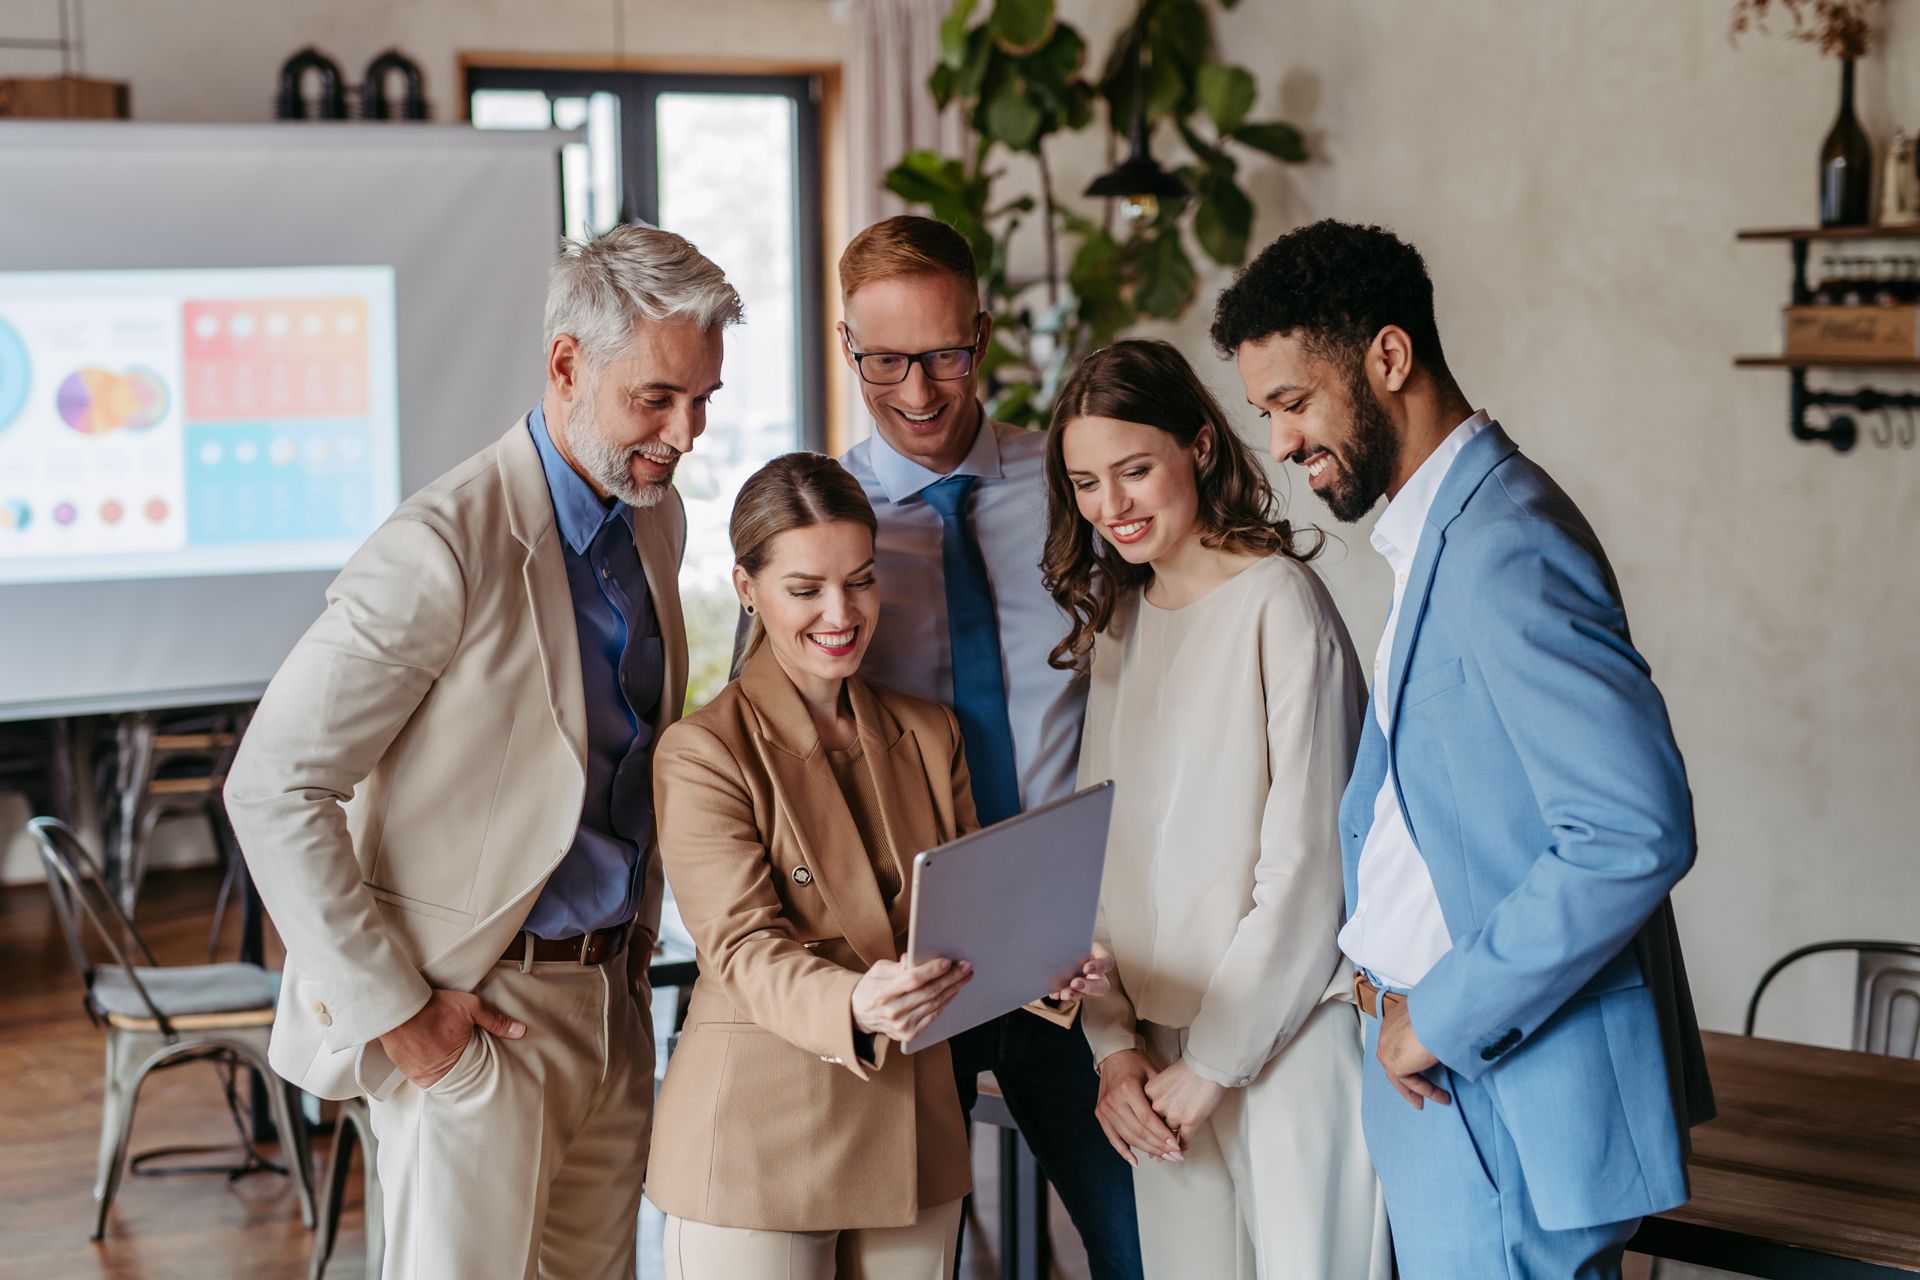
(170, 423)
(14, 371)
(94, 401)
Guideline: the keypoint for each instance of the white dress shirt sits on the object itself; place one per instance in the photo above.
(1397, 931)
(911, 651)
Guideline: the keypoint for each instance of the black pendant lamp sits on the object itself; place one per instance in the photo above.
(1138, 182)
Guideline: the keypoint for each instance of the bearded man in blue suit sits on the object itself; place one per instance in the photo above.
(1518, 812)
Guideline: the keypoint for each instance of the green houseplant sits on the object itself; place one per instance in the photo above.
(1020, 78)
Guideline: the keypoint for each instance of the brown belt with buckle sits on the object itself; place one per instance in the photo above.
(597, 947)
(1371, 999)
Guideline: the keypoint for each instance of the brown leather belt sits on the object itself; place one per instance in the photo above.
(1370, 998)
(588, 948)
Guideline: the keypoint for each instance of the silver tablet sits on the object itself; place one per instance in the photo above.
(1017, 900)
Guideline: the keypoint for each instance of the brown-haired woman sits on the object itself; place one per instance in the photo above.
(1226, 703)
(790, 1140)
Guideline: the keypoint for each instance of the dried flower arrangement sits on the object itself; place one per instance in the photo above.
(1841, 28)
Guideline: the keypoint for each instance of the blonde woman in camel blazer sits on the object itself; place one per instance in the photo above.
(793, 1137)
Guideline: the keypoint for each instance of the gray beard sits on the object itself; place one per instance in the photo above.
(608, 462)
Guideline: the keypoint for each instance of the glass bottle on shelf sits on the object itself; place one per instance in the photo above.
(1846, 165)
(1856, 282)
(1827, 292)
(1899, 184)
(1886, 286)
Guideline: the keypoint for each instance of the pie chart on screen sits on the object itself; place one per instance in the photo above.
(95, 401)
(14, 373)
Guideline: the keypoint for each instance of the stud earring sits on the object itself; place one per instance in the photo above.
(748, 608)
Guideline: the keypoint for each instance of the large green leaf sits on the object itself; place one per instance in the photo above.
(924, 176)
(1010, 117)
(953, 34)
(1021, 26)
(1282, 141)
(981, 57)
(1216, 162)
(1057, 63)
(1227, 93)
(1165, 280)
(1167, 90)
(1079, 109)
(1223, 222)
(940, 84)
(1180, 32)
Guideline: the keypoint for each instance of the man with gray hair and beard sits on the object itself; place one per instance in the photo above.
(445, 796)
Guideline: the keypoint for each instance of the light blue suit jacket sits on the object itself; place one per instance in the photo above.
(1538, 774)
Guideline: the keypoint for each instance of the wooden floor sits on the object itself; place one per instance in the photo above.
(196, 1226)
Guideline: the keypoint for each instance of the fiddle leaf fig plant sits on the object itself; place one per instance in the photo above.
(1020, 77)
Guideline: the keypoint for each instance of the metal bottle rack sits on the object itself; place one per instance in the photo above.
(1841, 431)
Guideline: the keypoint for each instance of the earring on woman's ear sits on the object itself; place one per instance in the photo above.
(749, 608)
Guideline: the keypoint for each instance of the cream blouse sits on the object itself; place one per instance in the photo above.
(1229, 726)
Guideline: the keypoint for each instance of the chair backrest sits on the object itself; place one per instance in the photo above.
(81, 901)
(1886, 1016)
(1886, 1010)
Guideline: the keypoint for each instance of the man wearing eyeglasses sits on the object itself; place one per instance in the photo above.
(965, 620)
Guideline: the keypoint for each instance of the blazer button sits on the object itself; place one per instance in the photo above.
(802, 876)
(320, 1012)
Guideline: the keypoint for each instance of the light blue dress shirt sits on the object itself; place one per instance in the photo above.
(910, 650)
(622, 670)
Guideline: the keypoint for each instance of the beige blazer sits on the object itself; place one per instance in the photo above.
(768, 1118)
(416, 769)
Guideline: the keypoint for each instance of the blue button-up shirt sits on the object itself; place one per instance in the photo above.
(911, 650)
(622, 669)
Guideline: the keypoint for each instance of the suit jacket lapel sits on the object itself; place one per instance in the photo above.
(658, 534)
(894, 762)
(818, 816)
(530, 517)
(1469, 470)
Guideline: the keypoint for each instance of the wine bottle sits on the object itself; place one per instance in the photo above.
(1846, 165)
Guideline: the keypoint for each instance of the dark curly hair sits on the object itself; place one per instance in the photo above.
(1150, 383)
(1337, 284)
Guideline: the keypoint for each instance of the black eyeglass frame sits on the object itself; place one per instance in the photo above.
(917, 357)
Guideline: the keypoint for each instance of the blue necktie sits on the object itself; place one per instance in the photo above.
(979, 682)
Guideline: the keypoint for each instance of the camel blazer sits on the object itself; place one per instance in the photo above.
(417, 767)
(769, 1118)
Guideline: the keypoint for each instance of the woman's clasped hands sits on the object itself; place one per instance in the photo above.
(1152, 1111)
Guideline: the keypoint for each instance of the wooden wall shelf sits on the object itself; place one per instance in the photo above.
(1841, 431)
(1826, 362)
(1832, 233)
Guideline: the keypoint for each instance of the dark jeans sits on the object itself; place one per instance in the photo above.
(1046, 1075)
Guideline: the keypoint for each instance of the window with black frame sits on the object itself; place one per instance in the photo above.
(732, 162)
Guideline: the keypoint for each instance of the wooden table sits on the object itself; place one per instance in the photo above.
(1811, 1171)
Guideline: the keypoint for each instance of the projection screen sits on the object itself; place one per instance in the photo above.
(226, 352)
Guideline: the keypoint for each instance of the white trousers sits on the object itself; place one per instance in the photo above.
(1277, 1184)
(923, 1251)
(525, 1161)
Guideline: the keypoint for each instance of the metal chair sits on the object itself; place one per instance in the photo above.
(164, 766)
(158, 1016)
(351, 1126)
(1886, 1006)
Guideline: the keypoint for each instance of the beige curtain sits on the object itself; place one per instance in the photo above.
(892, 47)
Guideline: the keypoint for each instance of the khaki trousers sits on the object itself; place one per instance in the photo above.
(1277, 1184)
(923, 1251)
(525, 1161)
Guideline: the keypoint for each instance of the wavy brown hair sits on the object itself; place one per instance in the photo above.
(1150, 383)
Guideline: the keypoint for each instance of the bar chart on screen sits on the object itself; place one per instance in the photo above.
(180, 423)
